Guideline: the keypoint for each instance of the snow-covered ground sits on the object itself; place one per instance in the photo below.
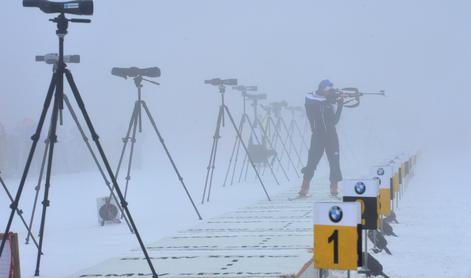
(434, 215)
(74, 240)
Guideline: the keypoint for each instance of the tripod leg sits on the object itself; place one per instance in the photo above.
(208, 169)
(51, 141)
(247, 151)
(230, 162)
(131, 151)
(95, 137)
(180, 178)
(126, 139)
(214, 165)
(19, 212)
(292, 144)
(303, 142)
(232, 156)
(212, 156)
(247, 170)
(270, 144)
(35, 139)
(89, 147)
(275, 139)
(38, 188)
(244, 166)
(236, 157)
(292, 131)
(276, 132)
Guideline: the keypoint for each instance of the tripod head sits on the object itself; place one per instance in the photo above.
(79, 7)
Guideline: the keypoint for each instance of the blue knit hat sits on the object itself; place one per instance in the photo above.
(325, 84)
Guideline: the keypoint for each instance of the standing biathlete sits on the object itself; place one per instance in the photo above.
(323, 109)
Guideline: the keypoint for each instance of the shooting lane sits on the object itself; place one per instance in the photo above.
(277, 238)
(265, 239)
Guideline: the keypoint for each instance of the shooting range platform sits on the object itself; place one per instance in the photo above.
(265, 239)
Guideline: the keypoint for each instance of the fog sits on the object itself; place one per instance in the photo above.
(418, 52)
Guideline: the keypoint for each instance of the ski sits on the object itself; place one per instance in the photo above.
(299, 197)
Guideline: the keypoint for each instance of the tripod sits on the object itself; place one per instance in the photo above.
(265, 138)
(56, 90)
(273, 130)
(223, 109)
(134, 123)
(95, 159)
(292, 129)
(253, 126)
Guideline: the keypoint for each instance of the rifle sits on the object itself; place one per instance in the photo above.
(351, 96)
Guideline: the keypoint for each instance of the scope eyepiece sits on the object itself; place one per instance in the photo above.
(77, 7)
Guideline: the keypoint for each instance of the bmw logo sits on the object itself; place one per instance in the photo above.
(335, 214)
(380, 172)
(360, 188)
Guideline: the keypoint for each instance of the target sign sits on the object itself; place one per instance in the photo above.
(364, 191)
(384, 173)
(337, 235)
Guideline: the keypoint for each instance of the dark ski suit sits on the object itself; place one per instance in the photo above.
(323, 116)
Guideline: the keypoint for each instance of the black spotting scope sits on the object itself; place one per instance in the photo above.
(279, 105)
(245, 88)
(78, 7)
(53, 58)
(256, 96)
(295, 108)
(219, 81)
(136, 72)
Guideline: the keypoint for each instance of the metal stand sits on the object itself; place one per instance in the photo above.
(293, 128)
(366, 254)
(95, 159)
(56, 90)
(281, 126)
(273, 131)
(223, 109)
(265, 139)
(134, 123)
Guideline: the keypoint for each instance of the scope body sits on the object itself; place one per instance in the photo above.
(135, 72)
(77, 7)
(242, 88)
(219, 81)
(256, 96)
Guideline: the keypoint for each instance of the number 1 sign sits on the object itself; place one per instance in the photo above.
(337, 235)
